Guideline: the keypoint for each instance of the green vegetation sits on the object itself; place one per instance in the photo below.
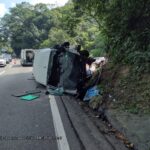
(126, 27)
(26, 26)
(39, 26)
(129, 91)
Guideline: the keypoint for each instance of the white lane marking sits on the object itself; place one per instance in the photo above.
(58, 125)
(2, 72)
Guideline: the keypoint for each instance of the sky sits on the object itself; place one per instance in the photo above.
(6, 4)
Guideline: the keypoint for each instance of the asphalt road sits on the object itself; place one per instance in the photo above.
(29, 125)
(46, 123)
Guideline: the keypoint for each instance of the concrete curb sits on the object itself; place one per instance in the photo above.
(89, 135)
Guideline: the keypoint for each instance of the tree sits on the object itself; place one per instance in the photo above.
(57, 36)
(26, 26)
(126, 27)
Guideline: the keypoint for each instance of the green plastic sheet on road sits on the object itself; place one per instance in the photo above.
(29, 97)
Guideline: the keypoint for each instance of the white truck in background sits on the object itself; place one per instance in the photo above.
(27, 57)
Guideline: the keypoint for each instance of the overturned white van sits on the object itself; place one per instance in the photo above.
(58, 69)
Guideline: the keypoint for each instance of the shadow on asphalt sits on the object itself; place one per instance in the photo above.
(18, 65)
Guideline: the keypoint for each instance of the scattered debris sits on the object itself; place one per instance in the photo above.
(91, 92)
(30, 97)
(95, 102)
(120, 136)
(26, 92)
(57, 91)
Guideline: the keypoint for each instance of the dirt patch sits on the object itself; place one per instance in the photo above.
(124, 104)
(125, 90)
